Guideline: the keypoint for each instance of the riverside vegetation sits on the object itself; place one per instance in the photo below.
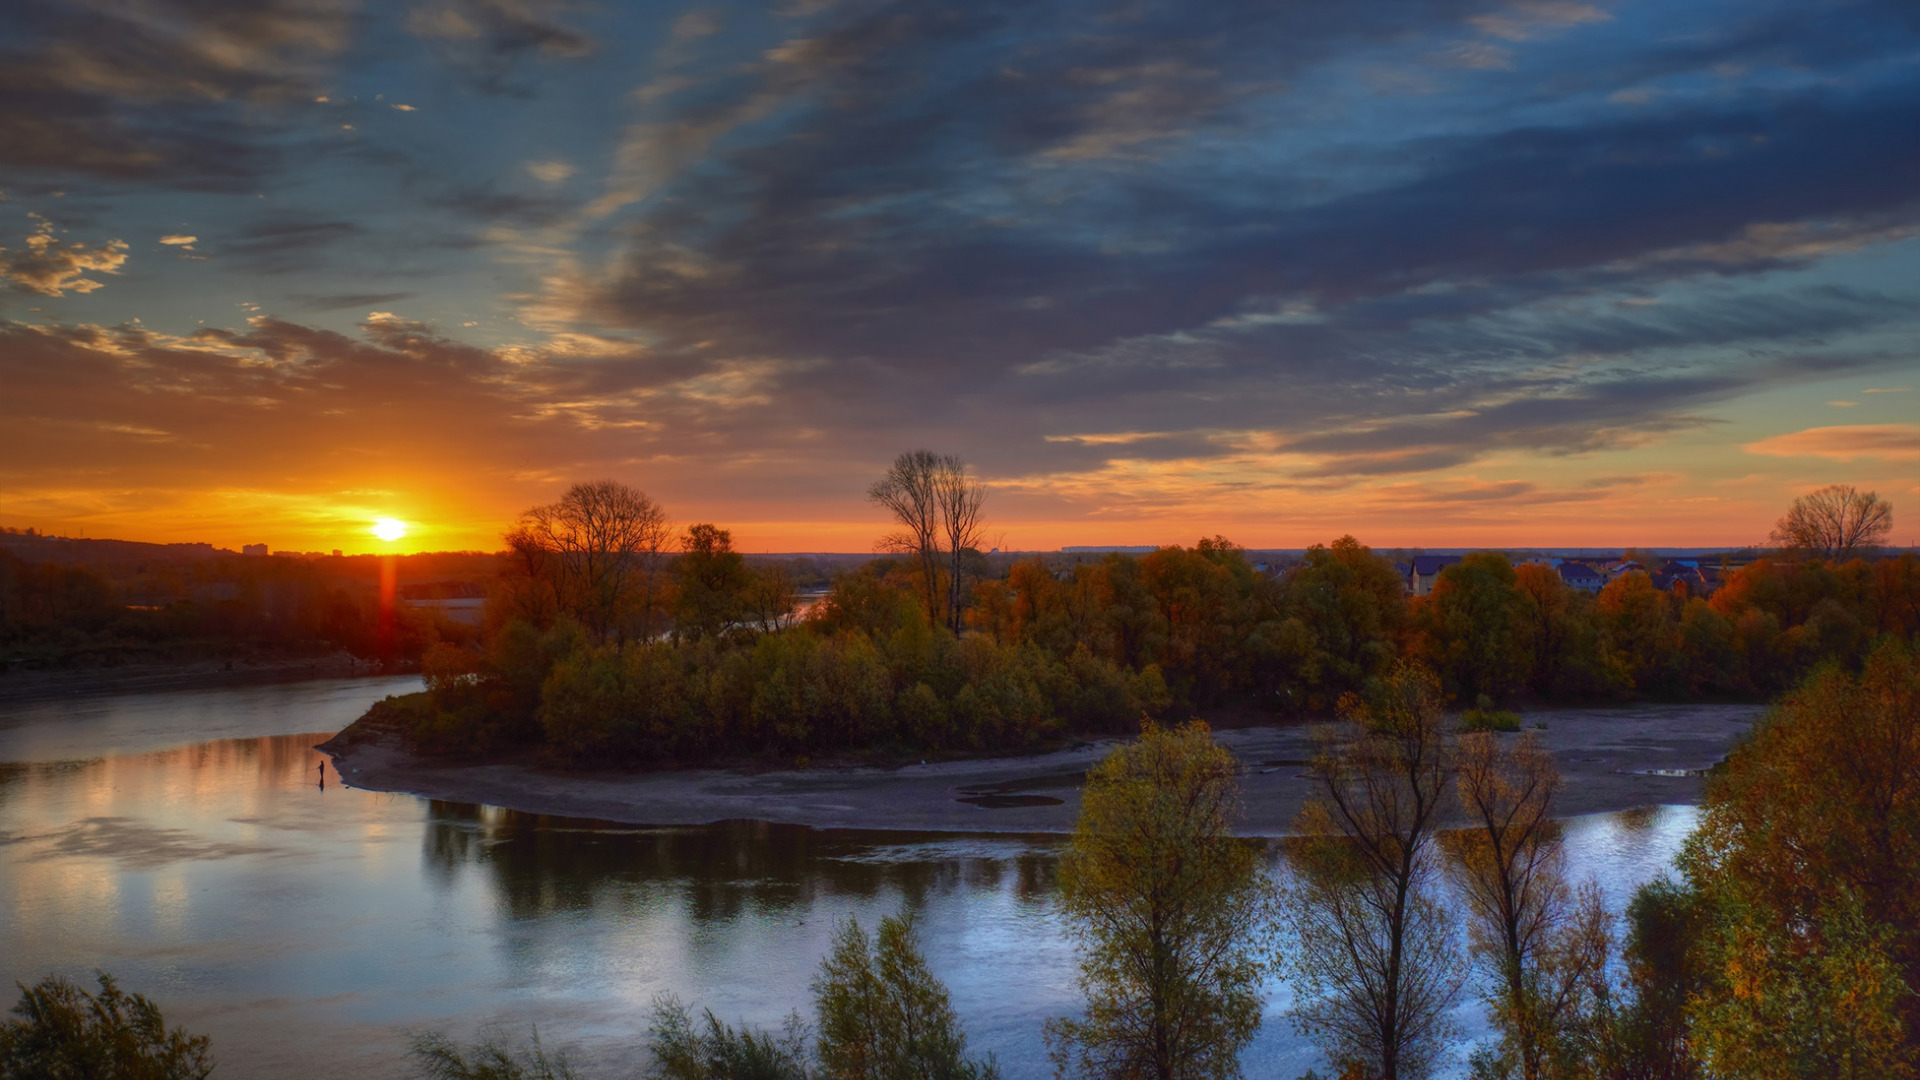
(1789, 948)
(605, 647)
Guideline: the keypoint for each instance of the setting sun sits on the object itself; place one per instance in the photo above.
(389, 529)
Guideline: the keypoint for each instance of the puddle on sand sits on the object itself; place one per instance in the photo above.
(1004, 802)
(1016, 792)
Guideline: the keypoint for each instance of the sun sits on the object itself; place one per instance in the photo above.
(389, 530)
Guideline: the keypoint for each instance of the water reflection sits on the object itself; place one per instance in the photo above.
(297, 925)
(541, 866)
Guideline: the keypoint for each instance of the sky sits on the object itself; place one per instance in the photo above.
(1435, 273)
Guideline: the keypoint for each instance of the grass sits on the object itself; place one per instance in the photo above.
(1489, 720)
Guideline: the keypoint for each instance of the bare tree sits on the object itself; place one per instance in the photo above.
(1377, 963)
(1835, 522)
(599, 547)
(1542, 946)
(960, 498)
(911, 493)
(769, 597)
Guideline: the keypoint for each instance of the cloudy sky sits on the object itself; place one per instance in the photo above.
(1437, 273)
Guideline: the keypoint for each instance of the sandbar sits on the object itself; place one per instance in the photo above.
(1614, 758)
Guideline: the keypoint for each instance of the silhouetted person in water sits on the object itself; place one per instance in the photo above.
(323, 776)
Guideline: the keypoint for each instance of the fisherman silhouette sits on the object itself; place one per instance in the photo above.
(323, 776)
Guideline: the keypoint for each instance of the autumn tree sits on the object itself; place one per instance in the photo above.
(712, 583)
(1836, 522)
(1808, 861)
(58, 1029)
(1349, 605)
(1639, 630)
(769, 597)
(883, 1015)
(599, 550)
(1377, 965)
(1171, 912)
(1474, 623)
(1645, 1034)
(1541, 946)
(880, 1015)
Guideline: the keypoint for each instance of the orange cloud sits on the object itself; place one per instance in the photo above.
(1888, 442)
(51, 268)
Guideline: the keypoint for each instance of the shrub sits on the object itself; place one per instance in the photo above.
(61, 1030)
(1489, 720)
(492, 1058)
(713, 1050)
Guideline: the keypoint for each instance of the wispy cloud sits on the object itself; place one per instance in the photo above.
(1887, 442)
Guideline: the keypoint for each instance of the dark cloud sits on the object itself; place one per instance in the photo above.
(282, 243)
(166, 92)
(348, 301)
(488, 39)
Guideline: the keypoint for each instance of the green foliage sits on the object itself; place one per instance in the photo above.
(1092, 646)
(709, 1049)
(1475, 622)
(493, 1057)
(59, 1030)
(714, 585)
(1345, 608)
(1171, 912)
(883, 1015)
(1489, 720)
(1647, 1035)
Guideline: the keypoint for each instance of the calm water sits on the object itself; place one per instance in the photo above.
(181, 842)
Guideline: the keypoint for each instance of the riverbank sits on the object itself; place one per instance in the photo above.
(22, 687)
(1610, 759)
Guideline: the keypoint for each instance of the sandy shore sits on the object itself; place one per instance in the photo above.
(1611, 759)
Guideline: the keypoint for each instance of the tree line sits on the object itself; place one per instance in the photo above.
(172, 608)
(614, 637)
(1427, 863)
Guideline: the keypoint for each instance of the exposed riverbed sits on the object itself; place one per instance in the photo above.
(1610, 759)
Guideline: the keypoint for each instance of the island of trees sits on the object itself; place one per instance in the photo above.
(614, 638)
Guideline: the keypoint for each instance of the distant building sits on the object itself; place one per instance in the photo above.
(1582, 576)
(336, 553)
(1425, 570)
(254, 549)
(1675, 577)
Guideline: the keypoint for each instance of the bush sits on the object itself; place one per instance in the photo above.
(437, 1057)
(60, 1030)
(1489, 720)
(713, 1050)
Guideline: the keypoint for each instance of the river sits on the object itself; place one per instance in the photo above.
(182, 842)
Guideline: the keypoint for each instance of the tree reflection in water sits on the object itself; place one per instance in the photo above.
(543, 865)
